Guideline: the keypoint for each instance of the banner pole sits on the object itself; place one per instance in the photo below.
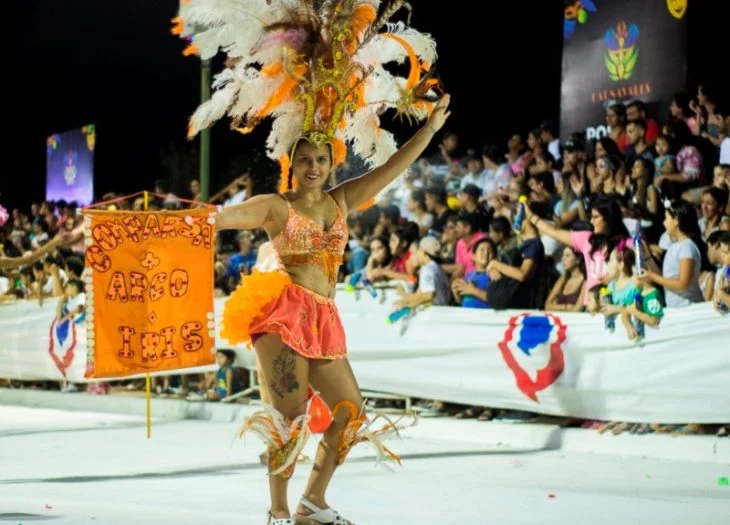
(148, 379)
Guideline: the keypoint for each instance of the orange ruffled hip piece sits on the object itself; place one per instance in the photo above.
(269, 302)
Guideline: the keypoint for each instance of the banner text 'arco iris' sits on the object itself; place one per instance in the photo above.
(149, 278)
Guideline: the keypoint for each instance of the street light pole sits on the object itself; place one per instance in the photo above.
(204, 134)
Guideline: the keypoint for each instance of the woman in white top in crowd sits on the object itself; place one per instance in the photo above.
(417, 208)
(686, 257)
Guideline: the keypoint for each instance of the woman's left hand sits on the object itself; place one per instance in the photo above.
(440, 113)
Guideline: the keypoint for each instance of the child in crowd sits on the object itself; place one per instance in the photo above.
(219, 385)
(665, 162)
(71, 305)
(721, 299)
(433, 283)
(471, 292)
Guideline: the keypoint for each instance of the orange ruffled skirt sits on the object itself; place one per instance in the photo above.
(269, 302)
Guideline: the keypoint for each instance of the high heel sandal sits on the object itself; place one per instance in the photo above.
(318, 516)
(279, 521)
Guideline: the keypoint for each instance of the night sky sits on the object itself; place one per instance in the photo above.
(114, 63)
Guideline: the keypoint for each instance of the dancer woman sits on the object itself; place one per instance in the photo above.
(316, 67)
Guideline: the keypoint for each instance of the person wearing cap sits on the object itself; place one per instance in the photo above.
(574, 157)
(433, 283)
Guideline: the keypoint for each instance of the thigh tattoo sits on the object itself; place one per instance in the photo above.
(284, 379)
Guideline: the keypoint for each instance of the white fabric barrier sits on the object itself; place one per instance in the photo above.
(678, 373)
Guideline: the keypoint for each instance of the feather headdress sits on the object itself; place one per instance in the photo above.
(317, 67)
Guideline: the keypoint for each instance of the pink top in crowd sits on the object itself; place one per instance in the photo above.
(596, 264)
(463, 252)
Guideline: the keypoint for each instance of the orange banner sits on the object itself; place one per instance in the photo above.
(149, 291)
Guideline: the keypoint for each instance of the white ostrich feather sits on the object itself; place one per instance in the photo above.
(285, 130)
(381, 49)
(212, 110)
(360, 132)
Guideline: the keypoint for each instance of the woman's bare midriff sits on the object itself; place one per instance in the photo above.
(311, 277)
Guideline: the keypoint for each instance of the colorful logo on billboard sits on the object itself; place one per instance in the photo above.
(576, 12)
(621, 51)
(532, 347)
(677, 8)
(90, 134)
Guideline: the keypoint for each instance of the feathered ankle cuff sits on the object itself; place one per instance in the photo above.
(284, 437)
(361, 430)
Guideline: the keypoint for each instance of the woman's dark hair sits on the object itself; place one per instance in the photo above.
(438, 192)
(419, 197)
(230, 355)
(620, 111)
(391, 212)
(407, 234)
(78, 283)
(649, 167)
(682, 99)
(628, 257)
(719, 195)
(581, 263)
(388, 253)
(611, 213)
(471, 219)
(680, 132)
(610, 147)
(546, 156)
(547, 180)
(481, 241)
(686, 216)
(670, 142)
(493, 153)
(501, 225)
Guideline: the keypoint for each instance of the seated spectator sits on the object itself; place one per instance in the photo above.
(722, 291)
(616, 121)
(604, 147)
(711, 279)
(650, 312)
(622, 289)
(595, 246)
(471, 292)
(665, 162)
(500, 232)
(388, 222)
(498, 171)
(680, 109)
(645, 196)
(529, 272)
(400, 247)
(468, 234)
(548, 136)
(433, 283)
(448, 246)
(639, 145)
(419, 214)
(714, 203)
(380, 258)
(469, 198)
(546, 163)
(569, 290)
(436, 204)
(637, 110)
(722, 121)
(684, 260)
(690, 166)
(476, 174)
(242, 262)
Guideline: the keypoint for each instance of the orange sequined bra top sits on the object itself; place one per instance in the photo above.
(305, 241)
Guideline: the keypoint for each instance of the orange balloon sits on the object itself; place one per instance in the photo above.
(320, 417)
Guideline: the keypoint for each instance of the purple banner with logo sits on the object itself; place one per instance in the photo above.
(619, 51)
(70, 165)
